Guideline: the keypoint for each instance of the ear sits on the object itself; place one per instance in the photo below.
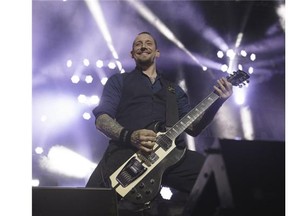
(131, 53)
(157, 53)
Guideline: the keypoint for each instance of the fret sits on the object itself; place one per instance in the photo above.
(191, 116)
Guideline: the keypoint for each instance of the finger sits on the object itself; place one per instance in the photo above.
(145, 149)
(148, 144)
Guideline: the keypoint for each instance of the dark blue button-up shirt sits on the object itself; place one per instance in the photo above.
(112, 93)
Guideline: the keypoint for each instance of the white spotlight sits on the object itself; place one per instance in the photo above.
(75, 79)
(69, 63)
(243, 53)
(224, 68)
(88, 79)
(204, 68)
(252, 57)
(239, 96)
(247, 123)
(86, 116)
(43, 118)
(240, 67)
(86, 62)
(250, 70)
(166, 193)
(112, 65)
(104, 80)
(39, 150)
(94, 100)
(99, 63)
(230, 53)
(64, 161)
(35, 182)
(220, 54)
(82, 98)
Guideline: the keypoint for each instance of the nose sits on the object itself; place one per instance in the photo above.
(143, 46)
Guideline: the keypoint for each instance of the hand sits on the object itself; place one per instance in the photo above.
(224, 88)
(143, 139)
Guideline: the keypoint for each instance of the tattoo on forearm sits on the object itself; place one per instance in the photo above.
(109, 126)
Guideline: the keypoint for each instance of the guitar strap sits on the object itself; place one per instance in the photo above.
(172, 115)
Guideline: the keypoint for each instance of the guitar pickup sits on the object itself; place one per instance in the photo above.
(148, 158)
(131, 171)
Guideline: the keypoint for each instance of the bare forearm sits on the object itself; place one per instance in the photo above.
(108, 126)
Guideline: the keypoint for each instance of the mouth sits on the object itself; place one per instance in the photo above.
(143, 53)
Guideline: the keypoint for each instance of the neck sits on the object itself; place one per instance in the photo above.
(149, 71)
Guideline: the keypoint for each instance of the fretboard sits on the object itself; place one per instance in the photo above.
(191, 116)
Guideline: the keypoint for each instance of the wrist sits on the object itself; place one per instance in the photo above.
(125, 136)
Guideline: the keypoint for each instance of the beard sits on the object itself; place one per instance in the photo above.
(145, 61)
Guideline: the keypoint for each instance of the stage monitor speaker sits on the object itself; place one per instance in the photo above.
(69, 201)
(240, 178)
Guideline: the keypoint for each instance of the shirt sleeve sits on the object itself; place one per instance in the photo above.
(110, 97)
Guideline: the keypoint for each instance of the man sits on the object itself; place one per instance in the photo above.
(132, 101)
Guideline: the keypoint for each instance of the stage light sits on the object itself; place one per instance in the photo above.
(58, 112)
(69, 63)
(111, 65)
(230, 53)
(240, 67)
(250, 70)
(43, 118)
(239, 39)
(104, 80)
(280, 10)
(166, 193)
(224, 68)
(94, 100)
(99, 63)
(35, 182)
(239, 96)
(253, 57)
(75, 79)
(39, 150)
(88, 79)
(66, 162)
(86, 62)
(243, 53)
(220, 54)
(95, 9)
(247, 123)
(204, 68)
(82, 98)
(86, 116)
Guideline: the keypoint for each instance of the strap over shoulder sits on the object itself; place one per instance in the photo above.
(172, 115)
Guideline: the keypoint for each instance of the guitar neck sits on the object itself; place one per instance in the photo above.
(191, 116)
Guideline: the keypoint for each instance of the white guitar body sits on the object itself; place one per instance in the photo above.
(146, 186)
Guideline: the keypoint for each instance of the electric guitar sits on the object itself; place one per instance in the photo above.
(139, 179)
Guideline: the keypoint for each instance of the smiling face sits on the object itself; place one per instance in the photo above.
(144, 50)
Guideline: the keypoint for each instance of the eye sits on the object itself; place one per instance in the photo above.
(137, 44)
(149, 43)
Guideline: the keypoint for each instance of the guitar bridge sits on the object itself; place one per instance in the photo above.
(131, 171)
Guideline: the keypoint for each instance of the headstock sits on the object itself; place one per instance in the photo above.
(238, 78)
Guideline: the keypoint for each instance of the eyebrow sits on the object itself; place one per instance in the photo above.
(137, 41)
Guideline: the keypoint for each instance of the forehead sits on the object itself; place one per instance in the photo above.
(144, 37)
